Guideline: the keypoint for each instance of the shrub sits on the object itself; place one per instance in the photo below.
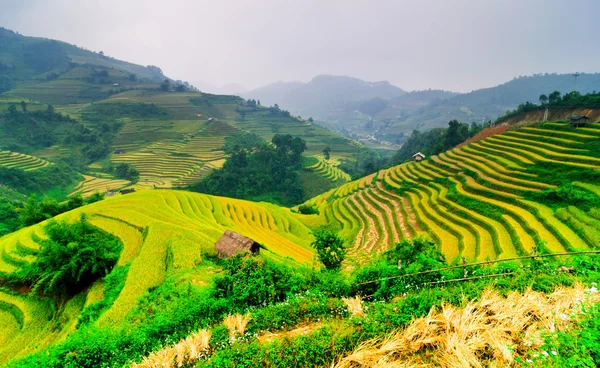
(308, 209)
(72, 258)
(330, 248)
(253, 281)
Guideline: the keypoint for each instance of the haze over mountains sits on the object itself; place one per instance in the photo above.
(353, 106)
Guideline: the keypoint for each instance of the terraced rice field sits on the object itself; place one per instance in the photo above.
(150, 224)
(92, 184)
(178, 162)
(21, 161)
(329, 169)
(474, 201)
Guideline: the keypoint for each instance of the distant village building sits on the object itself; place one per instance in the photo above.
(418, 157)
(119, 151)
(578, 121)
(232, 243)
(115, 84)
(127, 191)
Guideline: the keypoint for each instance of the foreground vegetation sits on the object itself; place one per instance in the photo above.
(340, 312)
(505, 196)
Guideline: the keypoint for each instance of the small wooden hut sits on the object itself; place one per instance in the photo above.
(232, 243)
(127, 191)
(418, 157)
(578, 121)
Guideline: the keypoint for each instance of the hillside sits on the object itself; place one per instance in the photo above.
(23, 58)
(391, 118)
(536, 186)
(498, 197)
(489, 103)
(170, 132)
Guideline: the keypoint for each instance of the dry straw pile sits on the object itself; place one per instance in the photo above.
(354, 306)
(489, 332)
(186, 352)
(237, 324)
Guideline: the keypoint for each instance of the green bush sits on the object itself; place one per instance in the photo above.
(251, 282)
(308, 209)
(330, 248)
(72, 258)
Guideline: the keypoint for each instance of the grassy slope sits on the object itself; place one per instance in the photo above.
(176, 230)
(151, 224)
(473, 200)
(177, 146)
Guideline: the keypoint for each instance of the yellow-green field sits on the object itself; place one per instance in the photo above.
(148, 223)
(329, 169)
(91, 185)
(452, 196)
(471, 202)
(21, 161)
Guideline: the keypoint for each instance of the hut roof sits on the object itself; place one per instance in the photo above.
(578, 117)
(232, 243)
(419, 154)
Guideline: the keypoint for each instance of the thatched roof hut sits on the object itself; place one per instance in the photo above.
(232, 243)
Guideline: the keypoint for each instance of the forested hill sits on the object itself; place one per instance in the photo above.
(104, 124)
(392, 118)
(22, 58)
(489, 103)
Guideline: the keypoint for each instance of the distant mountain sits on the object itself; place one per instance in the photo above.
(365, 110)
(489, 103)
(22, 58)
(323, 93)
(273, 93)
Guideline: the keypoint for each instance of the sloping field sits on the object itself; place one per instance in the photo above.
(21, 161)
(476, 201)
(180, 161)
(92, 184)
(329, 169)
(151, 224)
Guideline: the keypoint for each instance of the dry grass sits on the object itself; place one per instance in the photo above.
(237, 324)
(354, 305)
(186, 352)
(489, 332)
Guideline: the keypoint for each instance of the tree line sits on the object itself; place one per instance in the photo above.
(258, 170)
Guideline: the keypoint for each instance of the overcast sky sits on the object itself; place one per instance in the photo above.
(457, 45)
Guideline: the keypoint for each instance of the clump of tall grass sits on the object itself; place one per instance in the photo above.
(237, 324)
(186, 352)
(493, 331)
(354, 305)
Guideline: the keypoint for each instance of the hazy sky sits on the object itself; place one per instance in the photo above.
(457, 45)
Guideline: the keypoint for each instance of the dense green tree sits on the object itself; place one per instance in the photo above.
(127, 171)
(554, 97)
(327, 152)
(256, 169)
(436, 140)
(330, 248)
(543, 99)
(71, 258)
(243, 141)
(164, 86)
(24, 106)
